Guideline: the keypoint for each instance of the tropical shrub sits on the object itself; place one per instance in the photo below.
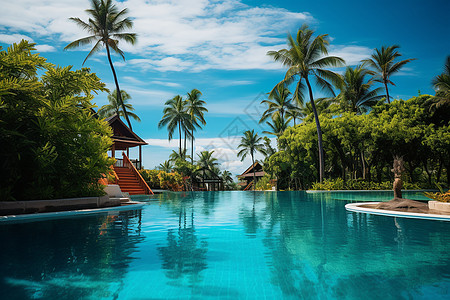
(264, 183)
(171, 181)
(339, 184)
(52, 145)
(163, 180)
(362, 146)
(151, 177)
(442, 197)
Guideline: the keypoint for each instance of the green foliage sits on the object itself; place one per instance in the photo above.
(114, 107)
(441, 197)
(339, 184)
(158, 179)
(151, 177)
(264, 183)
(52, 146)
(363, 146)
(171, 181)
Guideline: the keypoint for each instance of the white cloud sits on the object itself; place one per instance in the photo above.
(165, 83)
(45, 48)
(147, 97)
(351, 54)
(173, 35)
(225, 150)
(14, 38)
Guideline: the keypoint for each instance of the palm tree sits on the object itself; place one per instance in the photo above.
(307, 57)
(278, 126)
(227, 179)
(356, 94)
(206, 161)
(195, 108)
(114, 108)
(175, 115)
(295, 113)
(441, 84)
(383, 63)
(323, 106)
(278, 103)
(174, 156)
(250, 143)
(166, 166)
(106, 27)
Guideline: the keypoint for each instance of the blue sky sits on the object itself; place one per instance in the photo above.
(219, 48)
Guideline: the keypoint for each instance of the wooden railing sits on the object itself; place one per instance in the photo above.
(136, 163)
(248, 186)
(128, 164)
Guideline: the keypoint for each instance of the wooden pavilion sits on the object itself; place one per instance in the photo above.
(246, 178)
(128, 177)
(206, 180)
(124, 139)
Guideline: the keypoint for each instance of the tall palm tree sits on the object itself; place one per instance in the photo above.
(174, 156)
(295, 113)
(227, 179)
(322, 105)
(175, 115)
(106, 27)
(356, 94)
(383, 63)
(308, 57)
(206, 161)
(441, 83)
(196, 109)
(250, 144)
(115, 108)
(278, 126)
(166, 166)
(278, 103)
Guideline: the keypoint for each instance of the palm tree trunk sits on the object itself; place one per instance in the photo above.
(119, 94)
(363, 164)
(185, 137)
(387, 93)
(254, 174)
(319, 132)
(192, 147)
(181, 136)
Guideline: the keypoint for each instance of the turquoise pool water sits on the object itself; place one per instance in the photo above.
(229, 245)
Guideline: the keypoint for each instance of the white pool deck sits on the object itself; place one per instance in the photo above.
(357, 207)
(132, 205)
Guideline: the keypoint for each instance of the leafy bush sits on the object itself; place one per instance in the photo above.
(264, 183)
(52, 146)
(163, 180)
(338, 184)
(171, 181)
(441, 197)
(151, 177)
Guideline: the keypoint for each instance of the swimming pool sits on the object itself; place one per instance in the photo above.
(228, 245)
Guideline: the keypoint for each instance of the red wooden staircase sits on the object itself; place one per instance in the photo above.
(129, 179)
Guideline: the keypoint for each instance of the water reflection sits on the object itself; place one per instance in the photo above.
(185, 254)
(68, 258)
(319, 250)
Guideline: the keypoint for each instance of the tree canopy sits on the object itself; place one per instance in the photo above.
(52, 145)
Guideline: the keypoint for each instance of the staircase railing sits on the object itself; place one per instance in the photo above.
(248, 186)
(128, 164)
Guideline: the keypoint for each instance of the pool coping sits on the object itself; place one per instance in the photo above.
(131, 205)
(355, 207)
(350, 191)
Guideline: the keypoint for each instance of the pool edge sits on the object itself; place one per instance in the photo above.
(355, 207)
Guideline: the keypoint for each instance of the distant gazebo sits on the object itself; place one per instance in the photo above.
(246, 178)
(124, 139)
(206, 180)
